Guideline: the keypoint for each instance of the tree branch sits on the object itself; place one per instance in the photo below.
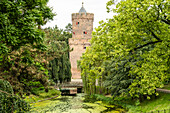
(158, 12)
(153, 34)
(149, 30)
(166, 21)
(139, 18)
(6, 93)
(149, 43)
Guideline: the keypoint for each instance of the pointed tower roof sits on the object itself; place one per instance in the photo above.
(82, 10)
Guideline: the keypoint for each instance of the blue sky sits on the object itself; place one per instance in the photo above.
(64, 9)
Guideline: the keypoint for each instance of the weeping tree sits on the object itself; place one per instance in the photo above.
(57, 43)
(92, 61)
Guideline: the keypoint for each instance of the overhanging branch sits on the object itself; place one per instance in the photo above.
(149, 43)
(153, 34)
(166, 21)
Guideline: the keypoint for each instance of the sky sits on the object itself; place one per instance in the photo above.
(64, 9)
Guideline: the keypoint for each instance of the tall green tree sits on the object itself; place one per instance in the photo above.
(142, 25)
(139, 31)
(92, 62)
(57, 43)
(21, 42)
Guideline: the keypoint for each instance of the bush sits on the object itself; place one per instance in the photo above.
(52, 92)
(9, 102)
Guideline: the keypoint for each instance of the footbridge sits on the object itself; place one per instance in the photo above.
(73, 87)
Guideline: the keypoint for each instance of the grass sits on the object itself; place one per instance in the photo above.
(159, 103)
(162, 102)
(41, 95)
(167, 86)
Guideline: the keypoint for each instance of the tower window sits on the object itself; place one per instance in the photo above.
(84, 32)
(84, 47)
(77, 23)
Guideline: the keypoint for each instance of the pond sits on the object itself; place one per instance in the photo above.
(74, 104)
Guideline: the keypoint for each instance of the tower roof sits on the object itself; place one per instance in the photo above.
(82, 10)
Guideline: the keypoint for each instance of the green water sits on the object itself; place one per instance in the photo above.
(73, 104)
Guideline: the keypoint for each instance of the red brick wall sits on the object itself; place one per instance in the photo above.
(80, 40)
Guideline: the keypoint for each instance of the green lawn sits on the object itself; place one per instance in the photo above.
(41, 95)
(167, 87)
(159, 103)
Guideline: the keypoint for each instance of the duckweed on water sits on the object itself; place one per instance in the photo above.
(73, 104)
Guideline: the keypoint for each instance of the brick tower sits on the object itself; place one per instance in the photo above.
(82, 27)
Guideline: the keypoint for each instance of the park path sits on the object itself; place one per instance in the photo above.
(163, 90)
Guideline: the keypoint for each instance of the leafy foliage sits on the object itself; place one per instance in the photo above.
(22, 52)
(9, 102)
(18, 23)
(131, 51)
(117, 76)
(92, 62)
(57, 43)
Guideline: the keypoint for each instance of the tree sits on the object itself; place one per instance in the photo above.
(139, 30)
(92, 61)
(142, 25)
(117, 76)
(68, 28)
(21, 42)
(19, 21)
(58, 46)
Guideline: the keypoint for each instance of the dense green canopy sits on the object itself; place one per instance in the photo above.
(26, 52)
(22, 58)
(135, 45)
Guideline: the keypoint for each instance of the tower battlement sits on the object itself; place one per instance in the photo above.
(89, 16)
(82, 25)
